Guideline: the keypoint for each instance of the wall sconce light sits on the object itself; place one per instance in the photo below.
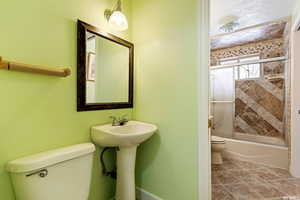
(116, 19)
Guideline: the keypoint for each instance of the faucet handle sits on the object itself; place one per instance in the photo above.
(113, 117)
(123, 120)
(115, 120)
(119, 121)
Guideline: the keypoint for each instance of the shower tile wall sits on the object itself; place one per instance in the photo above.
(259, 103)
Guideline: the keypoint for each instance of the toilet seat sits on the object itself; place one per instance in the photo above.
(217, 140)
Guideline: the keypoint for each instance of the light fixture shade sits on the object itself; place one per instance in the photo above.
(118, 21)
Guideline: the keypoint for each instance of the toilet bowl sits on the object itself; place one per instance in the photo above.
(217, 147)
(61, 174)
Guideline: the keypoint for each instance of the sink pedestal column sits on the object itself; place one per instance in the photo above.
(126, 173)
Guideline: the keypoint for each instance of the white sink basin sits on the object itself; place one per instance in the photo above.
(127, 138)
(131, 134)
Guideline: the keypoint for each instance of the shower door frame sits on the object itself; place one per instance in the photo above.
(260, 61)
(226, 102)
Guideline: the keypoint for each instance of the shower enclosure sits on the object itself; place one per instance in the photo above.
(248, 99)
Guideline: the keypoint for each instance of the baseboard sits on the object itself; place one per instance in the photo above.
(142, 194)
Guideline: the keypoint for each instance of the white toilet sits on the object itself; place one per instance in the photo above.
(61, 174)
(217, 147)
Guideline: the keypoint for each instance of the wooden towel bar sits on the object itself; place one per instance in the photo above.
(34, 68)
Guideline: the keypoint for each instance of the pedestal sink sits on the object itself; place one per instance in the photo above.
(127, 138)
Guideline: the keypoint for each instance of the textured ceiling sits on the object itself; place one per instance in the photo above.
(249, 12)
(257, 33)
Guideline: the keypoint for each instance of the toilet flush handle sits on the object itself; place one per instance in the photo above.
(42, 173)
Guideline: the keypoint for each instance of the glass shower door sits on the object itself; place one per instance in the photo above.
(222, 101)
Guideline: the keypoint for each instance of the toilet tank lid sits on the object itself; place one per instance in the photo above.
(48, 158)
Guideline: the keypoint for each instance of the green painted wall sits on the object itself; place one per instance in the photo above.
(38, 113)
(165, 33)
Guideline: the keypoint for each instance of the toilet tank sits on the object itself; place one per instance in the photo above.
(61, 174)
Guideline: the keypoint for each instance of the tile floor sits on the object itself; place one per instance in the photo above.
(241, 180)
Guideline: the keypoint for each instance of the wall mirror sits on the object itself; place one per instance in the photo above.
(104, 70)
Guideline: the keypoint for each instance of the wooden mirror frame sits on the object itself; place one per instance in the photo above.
(82, 28)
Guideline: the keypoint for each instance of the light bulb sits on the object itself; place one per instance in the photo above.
(118, 21)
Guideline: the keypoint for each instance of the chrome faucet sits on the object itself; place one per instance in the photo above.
(119, 121)
(115, 121)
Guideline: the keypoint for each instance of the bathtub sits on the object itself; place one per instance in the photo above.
(271, 155)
